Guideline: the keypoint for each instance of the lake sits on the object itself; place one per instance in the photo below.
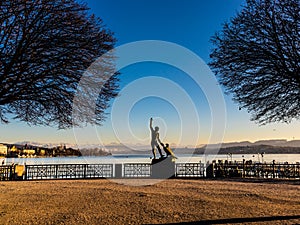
(143, 158)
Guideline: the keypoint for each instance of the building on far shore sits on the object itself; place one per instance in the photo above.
(28, 152)
(15, 150)
(3, 149)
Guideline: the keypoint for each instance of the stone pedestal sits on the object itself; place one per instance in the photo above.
(163, 168)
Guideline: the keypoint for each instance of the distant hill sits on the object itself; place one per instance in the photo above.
(282, 143)
(274, 142)
(250, 149)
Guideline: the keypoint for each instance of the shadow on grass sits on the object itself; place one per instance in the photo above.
(259, 180)
(241, 220)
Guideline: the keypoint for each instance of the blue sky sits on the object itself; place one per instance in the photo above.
(189, 24)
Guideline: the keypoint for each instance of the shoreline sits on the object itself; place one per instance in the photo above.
(144, 158)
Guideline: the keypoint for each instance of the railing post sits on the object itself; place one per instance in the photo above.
(25, 176)
(118, 170)
(273, 169)
(56, 171)
(12, 172)
(244, 172)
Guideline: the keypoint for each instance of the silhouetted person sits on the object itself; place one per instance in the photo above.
(155, 139)
(168, 150)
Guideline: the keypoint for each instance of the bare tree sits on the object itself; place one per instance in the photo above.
(45, 47)
(257, 58)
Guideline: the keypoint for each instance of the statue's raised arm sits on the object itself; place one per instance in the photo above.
(151, 120)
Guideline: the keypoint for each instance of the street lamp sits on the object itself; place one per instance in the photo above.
(230, 154)
(262, 157)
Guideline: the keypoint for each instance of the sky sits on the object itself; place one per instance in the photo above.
(187, 110)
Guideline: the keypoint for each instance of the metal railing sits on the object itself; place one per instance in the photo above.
(144, 170)
(68, 171)
(257, 170)
(190, 170)
(6, 173)
(136, 170)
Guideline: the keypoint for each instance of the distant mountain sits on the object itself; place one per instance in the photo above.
(274, 142)
(253, 148)
(118, 148)
(229, 144)
(45, 145)
(91, 149)
(279, 142)
(94, 152)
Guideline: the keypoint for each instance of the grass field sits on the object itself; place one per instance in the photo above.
(169, 201)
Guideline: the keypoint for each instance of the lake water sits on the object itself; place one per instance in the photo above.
(182, 158)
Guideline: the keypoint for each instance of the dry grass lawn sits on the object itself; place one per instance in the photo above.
(170, 201)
